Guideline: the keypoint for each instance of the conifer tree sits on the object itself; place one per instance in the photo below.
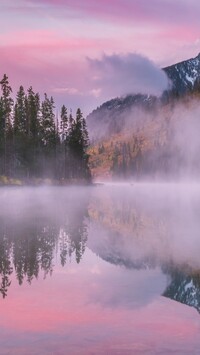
(48, 134)
(63, 123)
(48, 122)
(6, 104)
(33, 110)
(31, 144)
(78, 142)
(64, 127)
(20, 114)
(20, 145)
(32, 102)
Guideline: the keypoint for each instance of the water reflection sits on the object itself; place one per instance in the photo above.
(143, 227)
(147, 226)
(113, 259)
(184, 286)
(36, 225)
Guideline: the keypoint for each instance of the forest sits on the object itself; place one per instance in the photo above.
(36, 143)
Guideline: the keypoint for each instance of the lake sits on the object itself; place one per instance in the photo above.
(108, 269)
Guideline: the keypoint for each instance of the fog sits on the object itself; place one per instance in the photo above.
(106, 123)
(183, 127)
(138, 226)
(167, 138)
(150, 223)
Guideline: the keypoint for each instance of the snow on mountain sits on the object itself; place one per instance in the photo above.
(110, 117)
(185, 76)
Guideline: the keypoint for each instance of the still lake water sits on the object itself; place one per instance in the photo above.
(111, 269)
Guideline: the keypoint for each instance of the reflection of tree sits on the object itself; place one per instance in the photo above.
(5, 265)
(33, 249)
(73, 236)
(28, 246)
(72, 240)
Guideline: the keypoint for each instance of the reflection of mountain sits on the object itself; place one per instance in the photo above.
(184, 288)
(140, 229)
(145, 221)
(136, 228)
(30, 238)
(116, 250)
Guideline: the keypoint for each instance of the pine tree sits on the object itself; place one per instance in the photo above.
(49, 137)
(48, 121)
(69, 142)
(64, 131)
(20, 115)
(32, 102)
(33, 111)
(6, 104)
(64, 123)
(31, 144)
(20, 145)
(78, 143)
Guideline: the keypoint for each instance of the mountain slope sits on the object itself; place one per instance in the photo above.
(141, 136)
(185, 76)
(109, 117)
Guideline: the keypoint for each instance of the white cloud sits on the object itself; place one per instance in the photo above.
(70, 91)
(118, 75)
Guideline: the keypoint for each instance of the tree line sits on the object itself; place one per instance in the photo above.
(34, 143)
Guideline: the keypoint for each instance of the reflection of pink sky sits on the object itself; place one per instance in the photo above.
(45, 42)
(60, 313)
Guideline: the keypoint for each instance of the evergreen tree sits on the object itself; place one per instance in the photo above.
(64, 123)
(64, 126)
(48, 134)
(81, 142)
(6, 104)
(33, 111)
(31, 144)
(48, 122)
(20, 114)
(20, 141)
(32, 102)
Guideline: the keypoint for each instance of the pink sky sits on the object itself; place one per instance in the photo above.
(44, 43)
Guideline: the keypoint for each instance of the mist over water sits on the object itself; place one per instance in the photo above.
(144, 224)
(147, 216)
(95, 258)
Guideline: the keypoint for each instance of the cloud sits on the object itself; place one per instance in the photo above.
(118, 75)
(77, 82)
(165, 11)
(70, 91)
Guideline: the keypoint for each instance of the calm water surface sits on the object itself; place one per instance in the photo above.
(111, 269)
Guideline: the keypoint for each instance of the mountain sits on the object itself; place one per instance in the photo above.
(141, 136)
(185, 78)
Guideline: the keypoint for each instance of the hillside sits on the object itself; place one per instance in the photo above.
(139, 136)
